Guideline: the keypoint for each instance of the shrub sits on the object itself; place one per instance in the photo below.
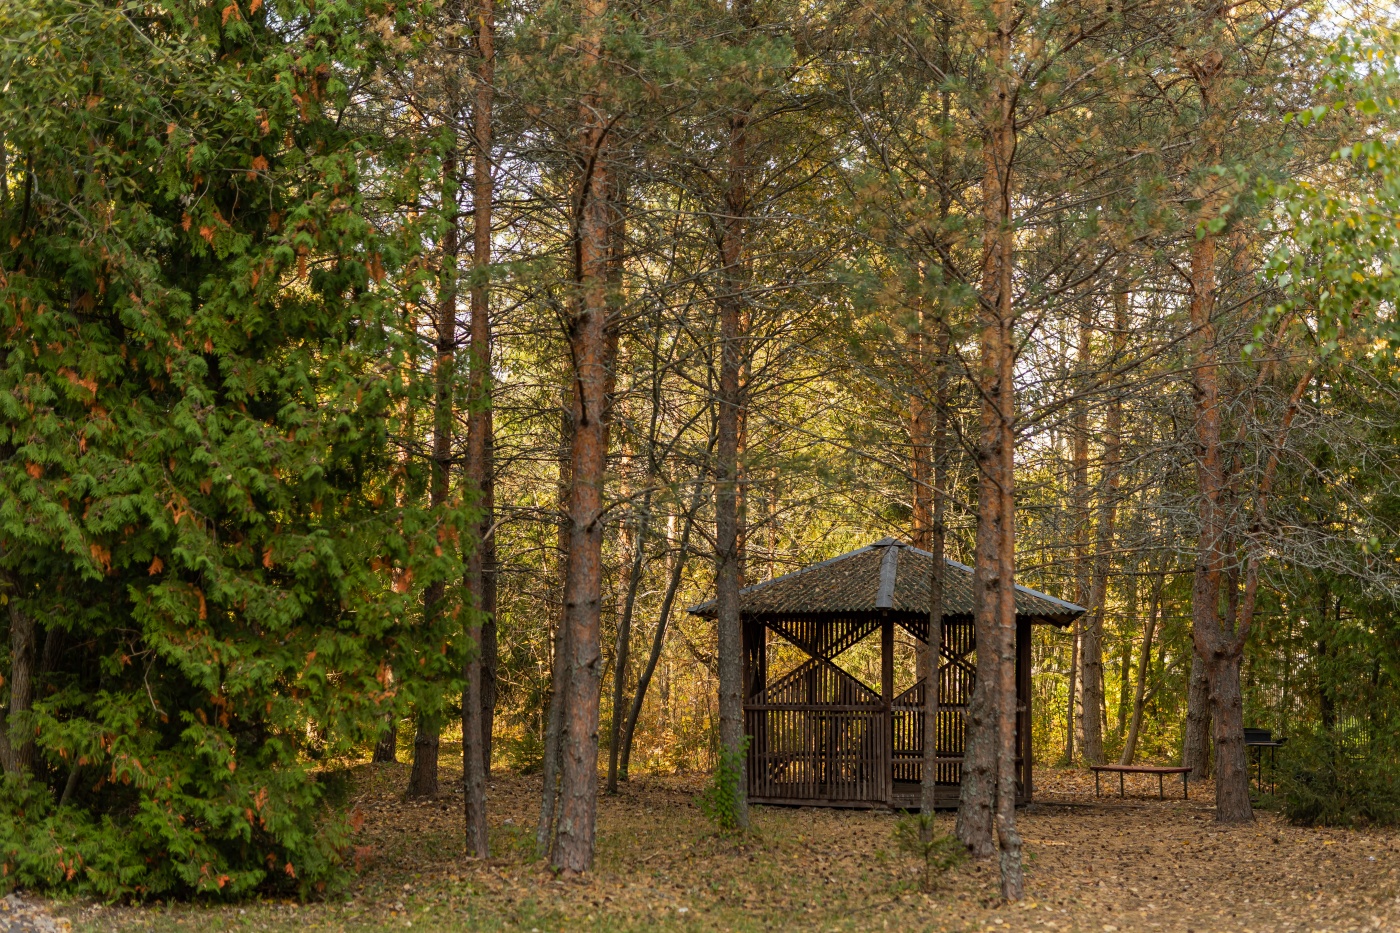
(1337, 780)
(722, 798)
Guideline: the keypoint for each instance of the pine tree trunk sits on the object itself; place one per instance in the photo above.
(387, 748)
(423, 775)
(1217, 646)
(474, 754)
(423, 778)
(1094, 694)
(933, 649)
(730, 403)
(559, 680)
(921, 456)
(1125, 656)
(992, 788)
(1083, 716)
(1227, 713)
(17, 739)
(592, 349)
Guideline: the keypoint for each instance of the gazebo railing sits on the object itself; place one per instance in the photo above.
(818, 752)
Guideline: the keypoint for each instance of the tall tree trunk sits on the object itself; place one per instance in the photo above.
(921, 415)
(17, 738)
(478, 466)
(730, 402)
(592, 353)
(933, 649)
(1216, 640)
(1092, 651)
(995, 566)
(1125, 654)
(423, 779)
(387, 748)
(559, 680)
(1078, 671)
(1144, 666)
(490, 653)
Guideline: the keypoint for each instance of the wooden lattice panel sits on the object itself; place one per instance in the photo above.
(824, 638)
(817, 680)
(956, 676)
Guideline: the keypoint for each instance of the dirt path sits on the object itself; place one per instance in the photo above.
(1093, 865)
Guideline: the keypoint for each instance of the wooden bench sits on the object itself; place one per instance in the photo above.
(1141, 769)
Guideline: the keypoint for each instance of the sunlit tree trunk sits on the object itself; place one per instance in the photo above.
(423, 778)
(559, 679)
(933, 649)
(993, 773)
(1219, 649)
(478, 466)
(730, 402)
(591, 346)
(1094, 694)
(1083, 717)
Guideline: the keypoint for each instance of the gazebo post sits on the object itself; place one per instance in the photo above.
(755, 655)
(886, 764)
(1023, 705)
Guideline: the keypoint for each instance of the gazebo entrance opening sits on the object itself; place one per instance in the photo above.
(819, 736)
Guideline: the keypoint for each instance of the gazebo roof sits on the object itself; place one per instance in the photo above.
(887, 575)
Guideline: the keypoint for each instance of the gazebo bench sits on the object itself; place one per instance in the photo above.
(1141, 769)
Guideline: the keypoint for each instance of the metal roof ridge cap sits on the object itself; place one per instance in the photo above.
(889, 568)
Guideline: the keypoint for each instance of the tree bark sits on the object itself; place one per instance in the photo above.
(17, 738)
(921, 456)
(387, 748)
(423, 774)
(478, 466)
(1195, 753)
(592, 352)
(1080, 481)
(1094, 696)
(1125, 656)
(995, 565)
(1218, 642)
(423, 779)
(559, 681)
(933, 649)
(730, 404)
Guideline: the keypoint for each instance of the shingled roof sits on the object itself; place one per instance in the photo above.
(888, 575)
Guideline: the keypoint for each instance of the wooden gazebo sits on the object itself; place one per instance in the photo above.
(818, 736)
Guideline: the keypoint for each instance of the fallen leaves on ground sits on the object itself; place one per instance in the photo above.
(1100, 865)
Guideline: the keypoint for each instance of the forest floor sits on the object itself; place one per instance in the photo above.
(1100, 865)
